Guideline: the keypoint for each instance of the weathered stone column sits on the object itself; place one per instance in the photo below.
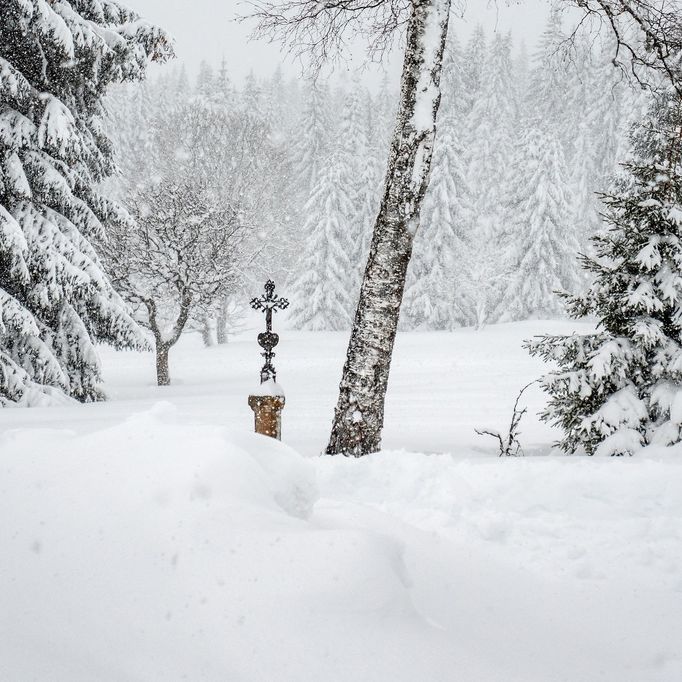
(267, 411)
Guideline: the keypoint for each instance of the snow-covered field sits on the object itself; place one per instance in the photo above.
(155, 538)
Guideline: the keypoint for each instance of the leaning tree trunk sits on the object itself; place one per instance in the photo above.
(359, 414)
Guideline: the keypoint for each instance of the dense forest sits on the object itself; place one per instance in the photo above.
(524, 145)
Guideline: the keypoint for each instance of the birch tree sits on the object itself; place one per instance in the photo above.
(320, 29)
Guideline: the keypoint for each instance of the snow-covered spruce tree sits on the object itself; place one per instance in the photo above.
(491, 126)
(556, 68)
(361, 175)
(323, 299)
(473, 59)
(205, 83)
(57, 60)
(597, 126)
(540, 245)
(311, 147)
(434, 288)
(621, 388)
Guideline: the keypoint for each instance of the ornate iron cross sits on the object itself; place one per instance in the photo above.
(267, 340)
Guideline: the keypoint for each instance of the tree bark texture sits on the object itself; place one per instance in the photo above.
(162, 372)
(221, 324)
(163, 345)
(359, 414)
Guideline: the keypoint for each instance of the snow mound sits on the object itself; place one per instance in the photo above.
(161, 549)
(584, 518)
(161, 462)
(127, 553)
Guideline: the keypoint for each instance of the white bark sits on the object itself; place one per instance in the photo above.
(359, 413)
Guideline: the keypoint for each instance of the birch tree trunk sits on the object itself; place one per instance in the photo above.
(359, 414)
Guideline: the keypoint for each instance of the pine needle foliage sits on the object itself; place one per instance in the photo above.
(57, 60)
(621, 388)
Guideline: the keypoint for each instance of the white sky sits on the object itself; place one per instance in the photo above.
(206, 29)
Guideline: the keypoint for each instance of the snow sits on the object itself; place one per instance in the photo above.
(57, 127)
(52, 25)
(155, 537)
(268, 388)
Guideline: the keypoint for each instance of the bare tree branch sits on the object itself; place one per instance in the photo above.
(647, 35)
(510, 445)
(319, 29)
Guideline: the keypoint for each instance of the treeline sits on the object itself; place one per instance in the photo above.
(523, 145)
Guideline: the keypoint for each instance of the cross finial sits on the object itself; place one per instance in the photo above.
(268, 303)
(268, 339)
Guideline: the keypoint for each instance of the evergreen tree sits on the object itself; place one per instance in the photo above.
(491, 125)
(474, 58)
(552, 103)
(621, 388)
(57, 60)
(453, 101)
(607, 89)
(540, 244)
(252, 96)
(276, 110)
(362, 176)
(206, 82)
(131, 110)
(180, 89)
(311, 144)
(521, 75)
(322, 299)
(598, 130)
(223, 90)
(434, 292)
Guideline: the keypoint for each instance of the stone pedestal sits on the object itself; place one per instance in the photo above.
(267, 410)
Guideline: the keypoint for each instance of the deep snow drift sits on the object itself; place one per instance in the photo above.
(155, 538)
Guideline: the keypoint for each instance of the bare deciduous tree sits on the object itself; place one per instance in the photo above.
(648, 35)
(176, 261)
(648, 40)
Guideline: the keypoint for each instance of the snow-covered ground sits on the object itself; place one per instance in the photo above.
(155, 538)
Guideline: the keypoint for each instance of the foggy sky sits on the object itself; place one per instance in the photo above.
(206, 29)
